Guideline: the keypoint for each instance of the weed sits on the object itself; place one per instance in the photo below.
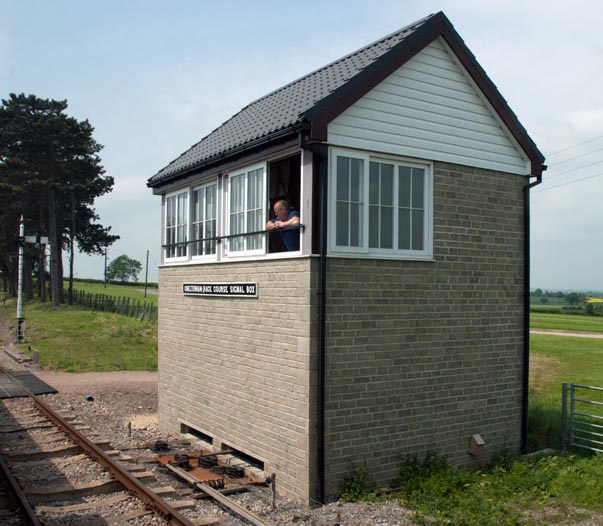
(358, 486)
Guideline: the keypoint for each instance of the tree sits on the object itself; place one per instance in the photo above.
(123, 269)
(50, 170)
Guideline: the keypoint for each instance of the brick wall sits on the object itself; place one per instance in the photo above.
(421, 355)
(238, 369)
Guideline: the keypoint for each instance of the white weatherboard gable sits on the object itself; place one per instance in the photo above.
(430, 109)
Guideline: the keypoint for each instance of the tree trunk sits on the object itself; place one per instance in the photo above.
(71, 247)
(55, 252)
(42, 273)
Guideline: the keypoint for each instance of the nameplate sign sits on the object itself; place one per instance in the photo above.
(232, 290)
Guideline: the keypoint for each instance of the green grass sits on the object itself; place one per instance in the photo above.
(74, 339)
(555, 360)
(135, 293)
(513, 492)
(566, 322)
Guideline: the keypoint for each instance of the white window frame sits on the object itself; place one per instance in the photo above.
(175, 195)
(381, 253)
(227, 243)
(203, 187)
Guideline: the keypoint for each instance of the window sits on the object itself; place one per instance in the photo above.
(380, 206)
(204, 220)
(176, 225)
(246, 211)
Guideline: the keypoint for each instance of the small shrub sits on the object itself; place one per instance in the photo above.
(358, 486)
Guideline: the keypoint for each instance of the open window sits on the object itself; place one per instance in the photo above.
(284, 183)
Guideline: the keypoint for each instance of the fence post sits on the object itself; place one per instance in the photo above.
(564, 418)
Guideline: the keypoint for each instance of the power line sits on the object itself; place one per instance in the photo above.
(577, 157)
(574, 146)
(565, 184)
(573, 170)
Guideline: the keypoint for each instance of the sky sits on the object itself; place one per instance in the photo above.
(153, 78)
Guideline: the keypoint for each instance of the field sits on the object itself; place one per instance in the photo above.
(74, 339)
(566, 322)
(136, 293)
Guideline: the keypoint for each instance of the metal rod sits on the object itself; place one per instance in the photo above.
(564, 417)
(233, 506)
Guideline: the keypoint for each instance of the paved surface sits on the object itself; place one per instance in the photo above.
(550, 332)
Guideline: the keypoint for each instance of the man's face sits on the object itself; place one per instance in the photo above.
(280, 212)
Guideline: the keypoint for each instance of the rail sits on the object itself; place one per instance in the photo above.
(147, 496)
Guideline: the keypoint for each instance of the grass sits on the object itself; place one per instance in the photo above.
(74, 339)
(512, 492)
(566, 322)
(135, 293)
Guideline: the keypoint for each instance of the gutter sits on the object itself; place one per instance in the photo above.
(526, 314)
(320, 155)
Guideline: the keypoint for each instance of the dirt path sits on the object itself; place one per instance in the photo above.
(551, 332)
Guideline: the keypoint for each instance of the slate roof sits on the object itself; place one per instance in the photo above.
(282, 109)
(318, 97)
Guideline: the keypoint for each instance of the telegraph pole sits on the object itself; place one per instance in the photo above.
(105, 267)
(20, 319)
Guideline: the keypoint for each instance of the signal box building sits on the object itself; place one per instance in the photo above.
(399, 325)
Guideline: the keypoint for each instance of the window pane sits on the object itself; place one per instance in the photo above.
(404, 186)
(210, 231)
(170, 216)
(356, 177)
(373, 183)
(210, 202)
(404, 228)
(387, 184)
(197, 205)
(373, 226)
(387, 227)
(417, 229)
(182, 199)
(417, 187)
(342, 224)
(356, 225)
(343, 178)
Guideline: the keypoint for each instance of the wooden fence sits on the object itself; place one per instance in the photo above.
(117, 304)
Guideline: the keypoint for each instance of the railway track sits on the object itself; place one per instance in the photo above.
(55, 471)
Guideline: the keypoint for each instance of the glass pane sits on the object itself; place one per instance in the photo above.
(197, 233)
(342, 224)
(417, 229)
(373, 226)
(417, 187)
(387, 227)
(210, 202)
(356, 225)
(404, 228)
(182, 199)
(197, 205)
(170, 216)
(210, 231)
(404, 186)
(387, 184)
(343, 178)
(373, 183)
(356, 176)
(170, 250)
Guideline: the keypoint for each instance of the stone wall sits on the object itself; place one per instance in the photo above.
(421, 355)
(238, 370)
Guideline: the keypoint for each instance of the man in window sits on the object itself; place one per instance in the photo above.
(285, 217)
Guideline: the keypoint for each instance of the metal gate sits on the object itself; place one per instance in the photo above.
(582, 423)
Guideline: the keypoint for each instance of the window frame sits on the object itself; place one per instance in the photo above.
(186, 215)
(204, 186)
(226, 215)
(374, 252)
